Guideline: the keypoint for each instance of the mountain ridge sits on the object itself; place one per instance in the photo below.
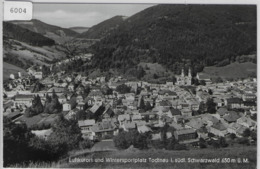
(59, 34)
(178, 36)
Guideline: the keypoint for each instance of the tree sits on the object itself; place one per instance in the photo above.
(202, 108)
(73, 102)
(232, 136)
(84, 144)
(36, 107)
(66, 132)
(210, 92)
(180, 147)
(254, 116)
(222, 142)
(142, 105)
(155, 76)
(172, 143)
(140, 72)
(253, 135)
(202, 143)
(193, 90)
(122, 89)
(81, 115)
(164, 130)
(246, 133)
(125, 139)
(141, 141)
(202, 82)
(195, 81)
(211, 106)
(120, 140)
(148, 106)
(219, 80)
(211, 135)
(52, 104)
(16, 138)
(215, 144)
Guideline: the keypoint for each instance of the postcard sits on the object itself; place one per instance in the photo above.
(130, 85)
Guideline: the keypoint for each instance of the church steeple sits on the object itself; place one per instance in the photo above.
(182, 72)
(189, 72)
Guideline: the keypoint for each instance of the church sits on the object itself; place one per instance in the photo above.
(183, 80)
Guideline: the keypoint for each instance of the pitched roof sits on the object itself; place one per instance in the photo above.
(196, 123)
(234, 100)
(232, 116)
(14, 115)
(95, 93)
(122, 117)
(136, 117)
(57, 89)
(94, 108)
(247, 120)
(222, 111)
(24, 97)
(209, 117)
(143, 129)
(165, 103)
(130, 125)
(185, 131)
(169, 92)
(103, 126)
(175, 111)
(219, 126)
(86, 122)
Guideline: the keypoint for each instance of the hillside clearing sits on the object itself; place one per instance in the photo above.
(233, 70)
(11, 69)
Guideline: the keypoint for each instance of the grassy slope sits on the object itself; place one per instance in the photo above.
(24, 52)
(233, 70)
(11, 69)
(239, 152)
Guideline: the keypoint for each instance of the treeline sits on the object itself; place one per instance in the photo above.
(24, 35)
(21, 147)
(51, 106)
(179, 35)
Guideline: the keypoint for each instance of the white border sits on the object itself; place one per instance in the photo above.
(226, 2)
(147, 1)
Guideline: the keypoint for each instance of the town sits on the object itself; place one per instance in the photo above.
(191, 114)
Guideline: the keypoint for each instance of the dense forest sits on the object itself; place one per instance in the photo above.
(179, 35)
(16, 32)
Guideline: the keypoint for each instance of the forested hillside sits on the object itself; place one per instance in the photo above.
(56, 33)
(23, 48)
(179, 35)
(11, 31)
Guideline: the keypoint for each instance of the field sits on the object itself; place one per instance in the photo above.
(233, 70)
(11, 69)
(176, 159)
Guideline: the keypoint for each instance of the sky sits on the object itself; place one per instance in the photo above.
(87, 15)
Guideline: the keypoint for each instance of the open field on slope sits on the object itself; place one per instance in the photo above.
(233, 70)
(11, 69)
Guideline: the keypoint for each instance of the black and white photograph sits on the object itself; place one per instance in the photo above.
(131, 86)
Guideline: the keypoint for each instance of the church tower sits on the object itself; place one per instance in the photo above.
(189, 73)
(182, 72)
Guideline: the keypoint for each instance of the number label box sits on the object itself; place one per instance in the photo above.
(14, 10)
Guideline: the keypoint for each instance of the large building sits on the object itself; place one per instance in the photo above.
(183, 80)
